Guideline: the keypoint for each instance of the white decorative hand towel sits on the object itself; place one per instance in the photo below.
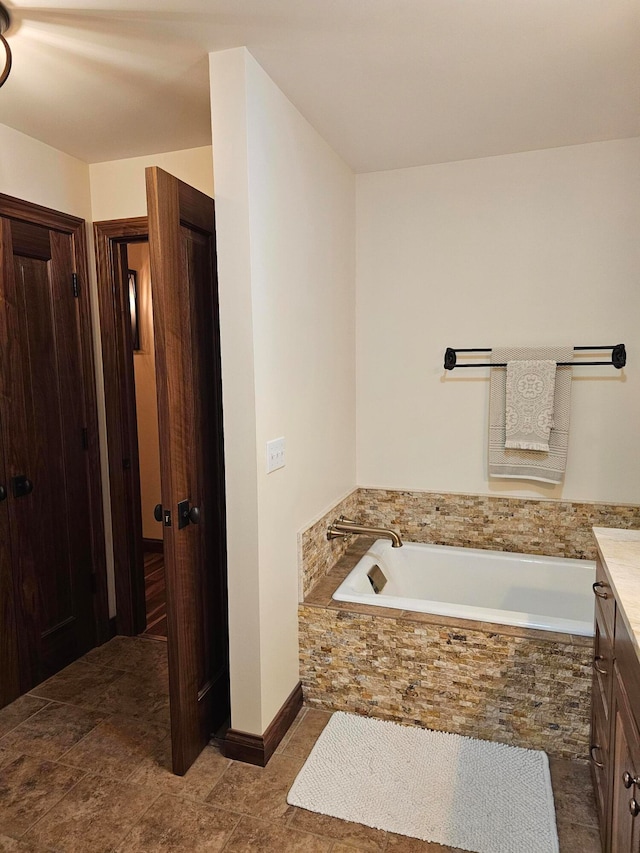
(529, 404)
(506, 462)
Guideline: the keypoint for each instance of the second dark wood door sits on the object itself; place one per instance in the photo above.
(185, 310)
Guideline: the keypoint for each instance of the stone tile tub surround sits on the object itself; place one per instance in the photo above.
(522, 525)
(531, 689)
(524, 687)
(316, 554)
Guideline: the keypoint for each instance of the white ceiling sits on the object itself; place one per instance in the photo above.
(388, 83)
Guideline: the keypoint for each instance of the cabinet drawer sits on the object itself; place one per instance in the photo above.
(604, 596)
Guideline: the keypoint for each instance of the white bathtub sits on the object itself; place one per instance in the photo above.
(549, 593)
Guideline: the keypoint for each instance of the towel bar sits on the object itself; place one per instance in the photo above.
(618, 358)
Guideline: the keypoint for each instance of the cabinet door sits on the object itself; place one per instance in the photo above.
(625, 820)
(601, 700)
(600, 760)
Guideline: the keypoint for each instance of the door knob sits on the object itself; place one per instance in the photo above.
(634, 808)
(187, 515)
(3, 493)
(157, 512)
(22, 486)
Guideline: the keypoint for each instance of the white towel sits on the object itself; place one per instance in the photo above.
(529, 404)
(546, 466)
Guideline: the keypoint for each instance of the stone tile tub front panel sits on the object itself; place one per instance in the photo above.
(526, 692)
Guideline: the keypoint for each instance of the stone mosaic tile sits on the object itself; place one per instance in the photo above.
(316, 555)
(552, 528)
(526, 692)
(529, 688)
(520, 525)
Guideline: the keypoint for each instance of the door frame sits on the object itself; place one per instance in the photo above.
(35, 214)
(122, 429)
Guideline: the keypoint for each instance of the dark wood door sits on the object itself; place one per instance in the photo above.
(185, 310)
(9, 661)
(45, 448)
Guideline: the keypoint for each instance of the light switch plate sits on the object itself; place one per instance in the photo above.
(275, 454)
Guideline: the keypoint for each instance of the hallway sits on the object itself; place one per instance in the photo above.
(155, 594)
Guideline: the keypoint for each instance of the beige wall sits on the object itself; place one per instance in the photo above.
(118, 186)
(285, 224)
(144, 366)
(533, 249)
(35, 172)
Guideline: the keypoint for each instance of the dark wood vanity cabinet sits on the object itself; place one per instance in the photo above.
(615, 725)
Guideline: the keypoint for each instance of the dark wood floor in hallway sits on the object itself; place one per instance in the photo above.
(155, 594)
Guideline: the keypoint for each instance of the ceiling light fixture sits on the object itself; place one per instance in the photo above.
(5, 23)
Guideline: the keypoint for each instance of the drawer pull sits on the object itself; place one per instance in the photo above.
(596, 667)
(591, 751)
(634, 808)
(597, 586)
(628, 780)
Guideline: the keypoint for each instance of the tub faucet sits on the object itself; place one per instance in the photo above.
(345, 527)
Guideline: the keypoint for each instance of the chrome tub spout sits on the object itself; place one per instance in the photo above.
(342, 527)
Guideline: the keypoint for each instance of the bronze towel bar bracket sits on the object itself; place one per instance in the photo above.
(618, 358)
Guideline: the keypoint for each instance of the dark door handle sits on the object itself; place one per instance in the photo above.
(3, 494)
(157, 512)
(21, 485)
(187, 515)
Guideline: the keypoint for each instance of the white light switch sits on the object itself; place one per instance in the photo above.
(275, 454)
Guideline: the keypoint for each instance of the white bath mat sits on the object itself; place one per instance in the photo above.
(473, 794)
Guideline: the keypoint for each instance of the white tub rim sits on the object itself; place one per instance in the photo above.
(483, 616)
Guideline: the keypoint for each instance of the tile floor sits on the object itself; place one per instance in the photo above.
(84, 768)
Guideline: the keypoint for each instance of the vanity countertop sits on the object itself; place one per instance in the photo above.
(620, 552)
